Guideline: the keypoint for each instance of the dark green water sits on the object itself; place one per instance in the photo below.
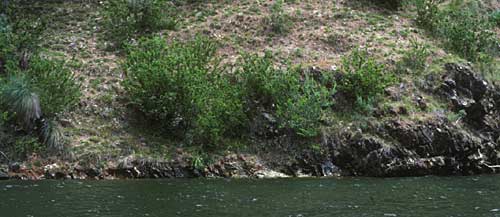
(423, 196)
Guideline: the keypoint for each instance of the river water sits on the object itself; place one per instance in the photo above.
(350, 197)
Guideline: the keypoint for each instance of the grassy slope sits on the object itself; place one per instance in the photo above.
(102, 128)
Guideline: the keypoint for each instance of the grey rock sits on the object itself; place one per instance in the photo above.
(15, 167)
(3, 175)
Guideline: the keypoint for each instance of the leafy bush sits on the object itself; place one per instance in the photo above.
(495, 17)
(298, 100)
(364, 79)
(182, 86)
(124, 19)
(303, 109)
(263, 83)
(278, 20)
(427, 13)
(415, 58)
(6, 43)
(19, 40)
(463, 27)
(26, 145)
(55, 84)
(466, 32)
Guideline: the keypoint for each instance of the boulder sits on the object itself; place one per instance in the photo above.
(470, 92)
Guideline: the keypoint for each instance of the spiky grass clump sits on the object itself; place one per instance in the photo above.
(19, 98)
(37, 95)
(52, 136)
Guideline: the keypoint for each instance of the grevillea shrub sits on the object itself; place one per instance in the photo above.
(297, 100)
(181, 86)
(364, 79)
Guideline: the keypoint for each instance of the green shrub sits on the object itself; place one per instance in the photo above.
(495, 17)
(6, 43)
(182, 86)
(124, 19)
(463, 27)
(415, 58)
(303, 109)
(364, 79)
(262, 82)
(427, 13)
(24, 146)
(466, 32)
(297, 100)
(19, 40)
(279, 20)
(55, 84)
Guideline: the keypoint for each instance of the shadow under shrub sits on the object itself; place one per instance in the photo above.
(181, 86)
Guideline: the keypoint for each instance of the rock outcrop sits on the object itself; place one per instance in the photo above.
(434, 145)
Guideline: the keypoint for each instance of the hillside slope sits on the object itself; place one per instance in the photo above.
(440, 118)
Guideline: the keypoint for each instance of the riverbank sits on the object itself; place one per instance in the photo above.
(433, 145)
(440, 115)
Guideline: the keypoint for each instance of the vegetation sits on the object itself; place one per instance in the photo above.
(364, 80)
(55, 85)
(463, 27)
(495, 17)
(32, 88)
(279, 21)
(198, 78)
(415, 59)
(125, 19)
(182, 86)
(298, 100)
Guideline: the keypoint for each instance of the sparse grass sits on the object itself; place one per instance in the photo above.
(124, 19)
(279, 21)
